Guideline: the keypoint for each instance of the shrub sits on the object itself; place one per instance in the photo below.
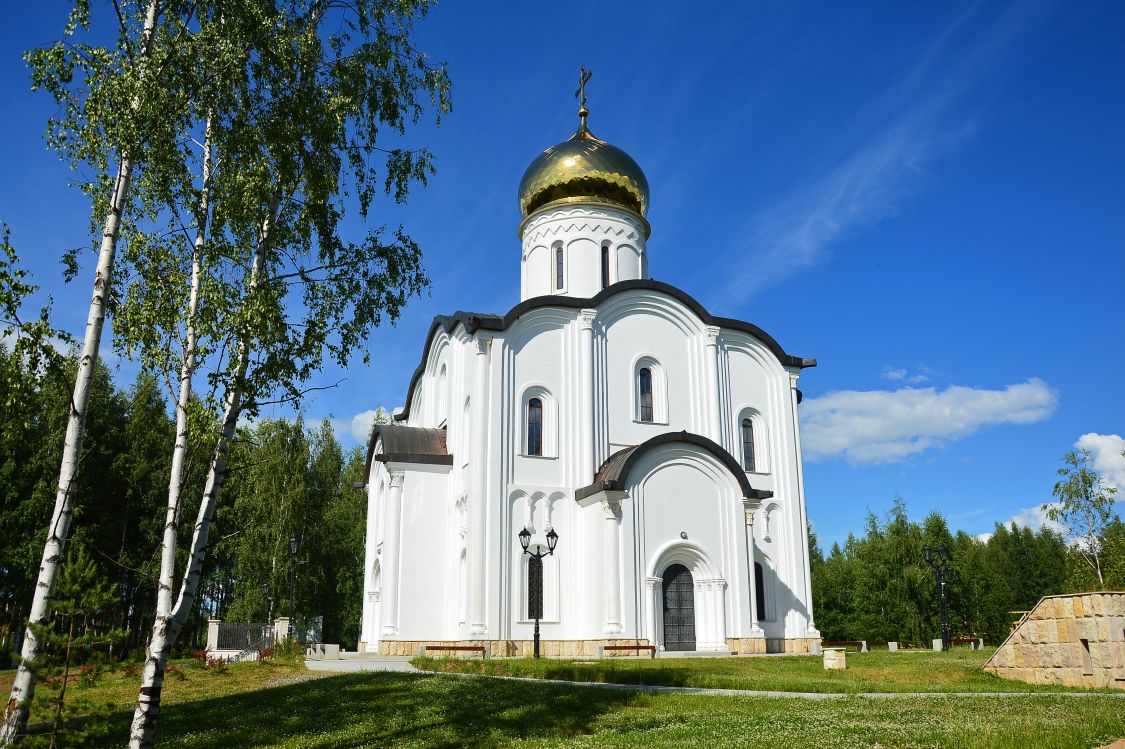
(88, 674)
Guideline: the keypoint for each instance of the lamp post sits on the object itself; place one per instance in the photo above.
(293, 544)
(535, 593)
(940, 560)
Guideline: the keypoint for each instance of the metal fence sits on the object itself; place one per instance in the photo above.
(240, 636)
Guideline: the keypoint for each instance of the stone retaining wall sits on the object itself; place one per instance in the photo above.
(580, 648)
(514, 648)
(1076, 640)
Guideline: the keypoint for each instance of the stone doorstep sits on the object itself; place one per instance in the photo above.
(693, 653)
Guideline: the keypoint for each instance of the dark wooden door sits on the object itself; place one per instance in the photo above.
(679, 609)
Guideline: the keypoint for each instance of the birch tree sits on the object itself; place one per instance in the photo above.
(298, 139)
(118, 107)
(1084, 508)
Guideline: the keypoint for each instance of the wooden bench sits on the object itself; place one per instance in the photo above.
(859, 645)
(650, 648)
(976, 642)
(424, 649)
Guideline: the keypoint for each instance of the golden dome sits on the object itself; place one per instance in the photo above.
(584, 169)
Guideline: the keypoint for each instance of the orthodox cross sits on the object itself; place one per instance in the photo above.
(580, 94)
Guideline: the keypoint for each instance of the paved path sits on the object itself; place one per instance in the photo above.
(796, 695)
(350, 665)
(403, 665)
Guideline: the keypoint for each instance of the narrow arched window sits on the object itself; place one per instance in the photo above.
(748, 444)
(535, 427)
(605, 265)
(645, 386)
(558, 267)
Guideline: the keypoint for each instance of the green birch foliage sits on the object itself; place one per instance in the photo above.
(1084, 505)
(306, 127)
(287, 482)
(113, 101)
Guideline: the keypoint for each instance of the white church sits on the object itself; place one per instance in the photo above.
(660, 443)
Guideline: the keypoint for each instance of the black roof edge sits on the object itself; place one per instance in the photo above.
(635, 453)
(474, 321)
(422, 458)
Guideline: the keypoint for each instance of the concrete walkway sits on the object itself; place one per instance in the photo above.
(794, 695)
(403, 665)
(354, 664)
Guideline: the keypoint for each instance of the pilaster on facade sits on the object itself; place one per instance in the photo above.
(749, 510)
(586, 420)
(714, 418)
(478, 512)
(611, 511)
(392, 537)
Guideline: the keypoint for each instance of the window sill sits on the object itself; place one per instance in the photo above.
(541, 621)
(652, 423)
(538, 457)
(757, 473)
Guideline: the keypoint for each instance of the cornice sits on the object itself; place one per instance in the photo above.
(474, 321)
(586, 209)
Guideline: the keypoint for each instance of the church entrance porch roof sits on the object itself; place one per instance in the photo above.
(614, 472)
(403, 444)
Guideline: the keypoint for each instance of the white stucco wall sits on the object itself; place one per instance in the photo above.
(582, 363)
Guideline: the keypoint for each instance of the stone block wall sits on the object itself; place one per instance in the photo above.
(581, 648)
(747, 645)
(513, 648)
(1075, 640)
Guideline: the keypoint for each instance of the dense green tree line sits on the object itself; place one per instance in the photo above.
(286, 481)
(878, 587)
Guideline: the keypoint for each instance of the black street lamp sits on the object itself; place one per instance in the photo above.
(535, 580)
(293, 544)
(940, 559)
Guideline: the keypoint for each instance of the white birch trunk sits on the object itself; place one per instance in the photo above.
(187, 372)
(23, 687)
(166, 630)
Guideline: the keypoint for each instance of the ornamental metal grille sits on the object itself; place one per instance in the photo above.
(534, 588)
(240, 636)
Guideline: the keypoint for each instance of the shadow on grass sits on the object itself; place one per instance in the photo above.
(378, 709)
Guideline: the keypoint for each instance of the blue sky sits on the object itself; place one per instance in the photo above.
(929, 198)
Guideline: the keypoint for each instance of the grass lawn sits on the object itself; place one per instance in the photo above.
(954, 671)
(256, 705)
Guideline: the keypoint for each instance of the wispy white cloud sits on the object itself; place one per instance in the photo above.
(1034, 518)
(1107, 454)
(907, 377)
(357, 428)
(884, 426)
(920, 118)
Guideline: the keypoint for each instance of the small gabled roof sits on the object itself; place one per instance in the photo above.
(403, 444)
(614, 472)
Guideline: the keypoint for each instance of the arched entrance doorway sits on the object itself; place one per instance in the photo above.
(679, 608)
